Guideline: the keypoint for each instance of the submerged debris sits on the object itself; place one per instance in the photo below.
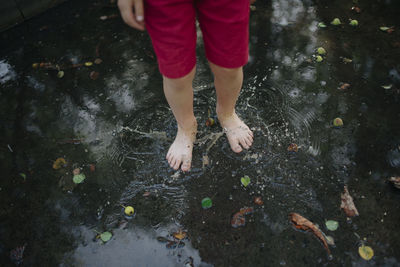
(395, 181)
(299, 222)
(238, 219)
(17, 255)
(347, 204)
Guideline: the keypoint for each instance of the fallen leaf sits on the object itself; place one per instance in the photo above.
(293, 148)
(347, 60)
(17, 255)
(59, 163)
(206, 203)
(299, 222)
(338, 122)
(332, 225)
(319, 58)
(353, 22)
(146, 194)
(322, 25)
(336, 21)
(238, 219)
(366, 252)
(106, 236)
(356, 9)
(321, 51)
(395, 181)
(98, 61)
(245, 180)
(180, 235)
(23, 175)
(344, 86)
(60, 74)
(347, 204)
(88, 63)
(387, 87)
(210, 122)
(94, 75)
(78, 179)
(258, 201)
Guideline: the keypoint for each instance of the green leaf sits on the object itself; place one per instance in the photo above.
(321, 51)
(332, 225)
(322, 25)
(60, 74)
(23, 175)
(206, 203)
(336, 21)
(245, 180)
(106, 236)
(79, 178)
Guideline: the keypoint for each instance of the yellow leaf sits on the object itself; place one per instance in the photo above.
(88, 64)
(179, 235)
(59, 163)
(366, 252)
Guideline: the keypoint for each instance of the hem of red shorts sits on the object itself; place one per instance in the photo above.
(229, 64)
(172, 73)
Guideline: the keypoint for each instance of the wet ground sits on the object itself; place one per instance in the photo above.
(117, 128)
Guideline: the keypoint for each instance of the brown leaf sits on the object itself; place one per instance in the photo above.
(293, 148)
(347, 204)
(344, 86)
(258, 201)
(299, 222)
(238, 218)
(94, 75)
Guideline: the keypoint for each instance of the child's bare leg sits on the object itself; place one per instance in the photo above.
(228, 83)
(179, 94)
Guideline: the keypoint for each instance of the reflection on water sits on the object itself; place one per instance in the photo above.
(131, 247)
(122, 125)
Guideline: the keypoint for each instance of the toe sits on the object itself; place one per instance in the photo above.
(248, 141)
(177, 164)
(186, 164)
(243, 142)
(236, 147)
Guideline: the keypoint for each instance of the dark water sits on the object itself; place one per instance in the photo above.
(122, 124)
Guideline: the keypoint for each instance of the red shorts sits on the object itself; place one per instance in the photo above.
(172, 28)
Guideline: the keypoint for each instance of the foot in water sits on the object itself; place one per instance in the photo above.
(237, 132)
(180, 152)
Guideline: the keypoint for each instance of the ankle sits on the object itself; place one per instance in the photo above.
(225, 114)
(188, 125)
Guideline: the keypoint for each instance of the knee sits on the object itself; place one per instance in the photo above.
(226, 73)
(179, 84)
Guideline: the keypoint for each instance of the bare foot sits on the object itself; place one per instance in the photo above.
(238, 134)
(180, 152)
